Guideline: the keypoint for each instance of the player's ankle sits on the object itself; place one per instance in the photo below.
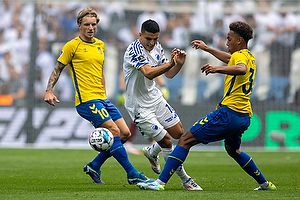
(160, 182)
(264, 185)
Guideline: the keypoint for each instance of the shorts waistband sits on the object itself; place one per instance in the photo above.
(234, 112)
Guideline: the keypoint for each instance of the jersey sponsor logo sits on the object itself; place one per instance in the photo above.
(142, 58)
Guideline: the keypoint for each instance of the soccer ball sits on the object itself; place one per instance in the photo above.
(101, 139)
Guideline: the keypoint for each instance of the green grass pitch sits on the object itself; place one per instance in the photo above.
(58, 174)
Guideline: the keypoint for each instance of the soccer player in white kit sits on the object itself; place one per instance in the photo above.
(144, 60)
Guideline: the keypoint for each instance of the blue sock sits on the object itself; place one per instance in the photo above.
(248, 165)
(175, 159)
(119, 153)
(100, 159)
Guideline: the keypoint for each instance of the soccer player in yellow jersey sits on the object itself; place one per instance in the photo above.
(85, 57)
(232, 116)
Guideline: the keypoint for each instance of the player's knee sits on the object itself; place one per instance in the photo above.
(187, 140)
(125, 135)
(232, 152)
(166, 142)
(176, 131)
(115, 131)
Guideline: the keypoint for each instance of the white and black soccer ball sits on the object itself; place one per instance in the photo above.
(101, 139)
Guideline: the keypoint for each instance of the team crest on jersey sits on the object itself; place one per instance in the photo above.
(100, 50)
(157, 56)
(155, 127)
(84, 50)
(141, 58)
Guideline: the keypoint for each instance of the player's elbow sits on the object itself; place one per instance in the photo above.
(169, 76)
(148, 73)
(244, 71)
(149, 76)
(241, 69)
(241, 72)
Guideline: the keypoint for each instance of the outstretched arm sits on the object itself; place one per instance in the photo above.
(221, 55)
(239, 69)
(49, 96)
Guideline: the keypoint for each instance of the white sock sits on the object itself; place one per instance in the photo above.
(160, 182)
(180, 170)
(166, 152)
(155, 149)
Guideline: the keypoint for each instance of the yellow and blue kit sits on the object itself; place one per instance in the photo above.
(233, 113)
(85, 61)
(228, 121)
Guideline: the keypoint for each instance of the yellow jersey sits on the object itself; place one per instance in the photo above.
(238, 88)
(85, 60)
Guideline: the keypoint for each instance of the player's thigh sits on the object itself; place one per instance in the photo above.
(187, 140)
(169, 119)
(213, 127)
(111, 125)
(93, 111)
(124, 130)
(148, 124)
(100, 113)
(176, 131)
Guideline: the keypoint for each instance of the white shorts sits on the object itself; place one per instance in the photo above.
(153, 122)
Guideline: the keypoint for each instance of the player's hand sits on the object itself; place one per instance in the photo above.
(180, 56)
(50, 98)
(173, 54)
(208, 69)
(199, 44)
(121, 99)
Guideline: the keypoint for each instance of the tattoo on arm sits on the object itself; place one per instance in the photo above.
(55, 75)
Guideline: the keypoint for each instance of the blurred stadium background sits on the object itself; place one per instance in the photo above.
(33, 32)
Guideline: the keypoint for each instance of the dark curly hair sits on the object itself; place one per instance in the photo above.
(242, 29)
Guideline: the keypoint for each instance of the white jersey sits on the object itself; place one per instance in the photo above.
(141, 91)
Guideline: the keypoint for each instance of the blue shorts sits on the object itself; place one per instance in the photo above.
(223, 123)
(98, 111)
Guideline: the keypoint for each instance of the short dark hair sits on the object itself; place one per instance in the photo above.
(87, 12)
(242, 29)
(150, 26)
